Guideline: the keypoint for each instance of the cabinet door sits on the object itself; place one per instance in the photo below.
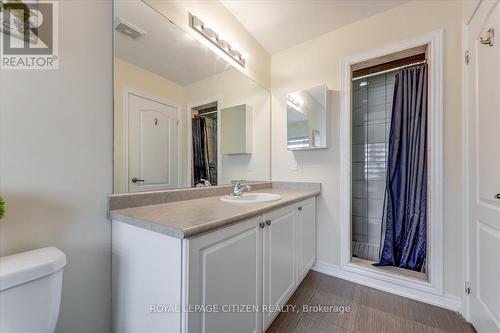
(225, 268)
(306, 226)
(279, 259)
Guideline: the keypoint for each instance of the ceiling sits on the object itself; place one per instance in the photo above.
(166, 49)
(280, 24)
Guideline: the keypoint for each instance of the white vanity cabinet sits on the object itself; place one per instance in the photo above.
(225, 277)
(257, 262)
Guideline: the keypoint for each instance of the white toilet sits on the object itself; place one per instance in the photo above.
(30, 290)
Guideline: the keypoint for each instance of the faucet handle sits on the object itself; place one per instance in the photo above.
(236, 189)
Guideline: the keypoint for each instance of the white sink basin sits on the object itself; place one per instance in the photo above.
(251, 197)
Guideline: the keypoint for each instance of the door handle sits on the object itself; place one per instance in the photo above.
(268, 222)
(299, 208)
(262, 225)
(137, 180)
(497, 196)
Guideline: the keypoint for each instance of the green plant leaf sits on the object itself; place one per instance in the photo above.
(2, 208)
(23, 16)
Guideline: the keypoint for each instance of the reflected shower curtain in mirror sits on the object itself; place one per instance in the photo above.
(404, 236)
(200, 150)
(211, 139)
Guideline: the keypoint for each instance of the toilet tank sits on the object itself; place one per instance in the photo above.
(30, 290)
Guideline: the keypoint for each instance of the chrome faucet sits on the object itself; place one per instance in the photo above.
(238, 189)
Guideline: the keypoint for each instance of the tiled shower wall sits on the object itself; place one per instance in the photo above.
(371, 117)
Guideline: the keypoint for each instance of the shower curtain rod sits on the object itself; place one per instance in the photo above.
(204, 113)
(389, 70)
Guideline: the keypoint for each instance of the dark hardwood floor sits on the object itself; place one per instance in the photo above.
(371, 311)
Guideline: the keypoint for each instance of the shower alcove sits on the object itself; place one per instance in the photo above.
(372, 92)
(365, 115)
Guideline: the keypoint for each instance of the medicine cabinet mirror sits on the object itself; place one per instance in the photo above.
(306, 118)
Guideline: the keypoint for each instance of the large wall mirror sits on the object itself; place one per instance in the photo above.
(183, 116)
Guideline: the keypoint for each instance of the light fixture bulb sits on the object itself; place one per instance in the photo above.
(216, 39)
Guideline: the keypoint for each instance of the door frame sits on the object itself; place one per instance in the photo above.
(430, 291)
(190, 106)
(126, 91)
(465, 153)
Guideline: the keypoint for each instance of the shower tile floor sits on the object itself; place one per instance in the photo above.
(365, 251)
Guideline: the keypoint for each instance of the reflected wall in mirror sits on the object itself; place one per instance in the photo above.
(306, 118)
(172, 95)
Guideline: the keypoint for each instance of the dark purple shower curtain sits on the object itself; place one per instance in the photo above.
(200, 150)
(404, 241)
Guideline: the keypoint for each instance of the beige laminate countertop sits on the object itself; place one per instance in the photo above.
(183, 219)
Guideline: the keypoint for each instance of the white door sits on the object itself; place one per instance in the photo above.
(279, 259)
(306, 227)
(225, 269)
(152, 145)
(483, 123)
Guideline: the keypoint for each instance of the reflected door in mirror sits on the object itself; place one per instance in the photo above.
(152, 145)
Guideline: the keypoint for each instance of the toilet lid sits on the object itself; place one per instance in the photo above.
(27, 266)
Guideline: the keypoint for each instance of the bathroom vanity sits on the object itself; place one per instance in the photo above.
(208, 265)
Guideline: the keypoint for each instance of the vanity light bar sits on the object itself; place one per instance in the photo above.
(214, 38)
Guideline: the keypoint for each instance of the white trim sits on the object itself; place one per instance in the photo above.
(433, 287)
(126, 91)
(389, 284)
(184, 284)
(190, 106)
(465, 145)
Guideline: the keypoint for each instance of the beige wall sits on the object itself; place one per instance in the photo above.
(133, 77)
(214, 13)
(56, 155)
(468, 8)
(234, 88)
(316, 62)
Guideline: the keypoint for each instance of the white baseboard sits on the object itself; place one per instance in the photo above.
(445, 301)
